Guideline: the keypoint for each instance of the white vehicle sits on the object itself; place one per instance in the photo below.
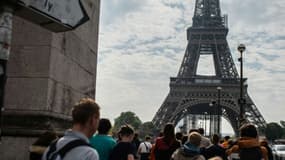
(279, 151)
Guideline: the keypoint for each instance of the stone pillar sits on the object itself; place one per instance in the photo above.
(47, 73)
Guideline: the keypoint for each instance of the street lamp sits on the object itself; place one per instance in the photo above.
(241, 48)
(205, 118)
(212, 119)
(218, 109)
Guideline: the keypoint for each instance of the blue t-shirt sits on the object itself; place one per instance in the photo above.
(103, 144)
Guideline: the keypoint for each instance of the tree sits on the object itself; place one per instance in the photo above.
(129, 118)
(147, 129)
(282, 123)
(273, 131)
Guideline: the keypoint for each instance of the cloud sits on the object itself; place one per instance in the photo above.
(142, 43)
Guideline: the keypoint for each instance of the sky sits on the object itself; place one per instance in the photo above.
(142, 43)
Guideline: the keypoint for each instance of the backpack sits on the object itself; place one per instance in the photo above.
(54, 154)
(253, 153)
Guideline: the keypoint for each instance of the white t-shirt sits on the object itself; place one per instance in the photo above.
(145, 147)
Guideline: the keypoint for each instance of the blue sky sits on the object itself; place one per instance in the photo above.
(142, 43)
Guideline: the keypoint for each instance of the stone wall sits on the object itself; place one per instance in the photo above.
(47, 73)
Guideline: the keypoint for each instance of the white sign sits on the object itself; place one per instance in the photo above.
(67, 12)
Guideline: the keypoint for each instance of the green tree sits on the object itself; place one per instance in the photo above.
(147, 129)
(129, 118)
(273, 131)
(282, 123)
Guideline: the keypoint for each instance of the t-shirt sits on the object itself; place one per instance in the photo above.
(78, 153)
(163, 151)
(103, 144)
(122, 150)
(145, 147)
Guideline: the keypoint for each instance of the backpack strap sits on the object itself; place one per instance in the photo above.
(146, 147)
(52, 149)
(65, 149)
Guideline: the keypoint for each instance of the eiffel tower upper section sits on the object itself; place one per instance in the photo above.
(191, 92)
(207, 36)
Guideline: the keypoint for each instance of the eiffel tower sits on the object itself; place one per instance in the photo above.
(191, 94)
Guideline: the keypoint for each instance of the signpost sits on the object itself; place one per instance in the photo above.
(54, 15)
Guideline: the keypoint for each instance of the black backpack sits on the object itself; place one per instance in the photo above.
(53, 153)
(253, 153)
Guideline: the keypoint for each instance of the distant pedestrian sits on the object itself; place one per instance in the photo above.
(103, 142)
(38, 148)
(190, 150)
(74, 145)
(248, 145)
(145, 149)
(225, 143)
(136, 143)
(205, 142)
(264, 143)
(124, 149)
(167, 144)
(215, 149)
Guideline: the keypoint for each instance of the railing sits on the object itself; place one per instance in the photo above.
(204, 80)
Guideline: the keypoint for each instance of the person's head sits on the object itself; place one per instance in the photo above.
(264, 142)
(147, 138)
(104, 126)
(193, 130)
(126, 133)
(201, 131)
(248, 130)
(85, 116)
(178, 135)
(194, 138)
(215, 139)
(226, 138)
(168, 132)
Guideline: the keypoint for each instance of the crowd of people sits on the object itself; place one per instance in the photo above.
(89, 139)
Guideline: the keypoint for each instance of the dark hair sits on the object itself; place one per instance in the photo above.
(45, 139)
(227, 137)
(193, 130)
(168, 133)
(248, 130)
(84, 110)
(178, 135)
(201, 131)
(126, 130)
(215, 139)
(184, 139)
(104, 126)
(147, 138)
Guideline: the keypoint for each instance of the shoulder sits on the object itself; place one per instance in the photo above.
(83, 153)
(234, 148)
(264, 151)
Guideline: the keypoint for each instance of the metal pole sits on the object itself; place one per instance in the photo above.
(6, 18)
(218, 109)
(241, 49)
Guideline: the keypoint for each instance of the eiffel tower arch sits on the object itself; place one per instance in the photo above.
(190, 93)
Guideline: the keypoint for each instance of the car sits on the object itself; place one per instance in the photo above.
(278, 151)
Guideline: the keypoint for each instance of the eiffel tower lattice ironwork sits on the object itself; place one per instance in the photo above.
(190, 93)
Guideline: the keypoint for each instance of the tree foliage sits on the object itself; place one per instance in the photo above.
(273, 131)
(129, 118)
(147, 129)
(282, 123)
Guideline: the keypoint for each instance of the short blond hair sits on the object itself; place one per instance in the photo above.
(83, 110)
(195, 138)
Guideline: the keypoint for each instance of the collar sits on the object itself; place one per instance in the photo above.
(76, 134)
